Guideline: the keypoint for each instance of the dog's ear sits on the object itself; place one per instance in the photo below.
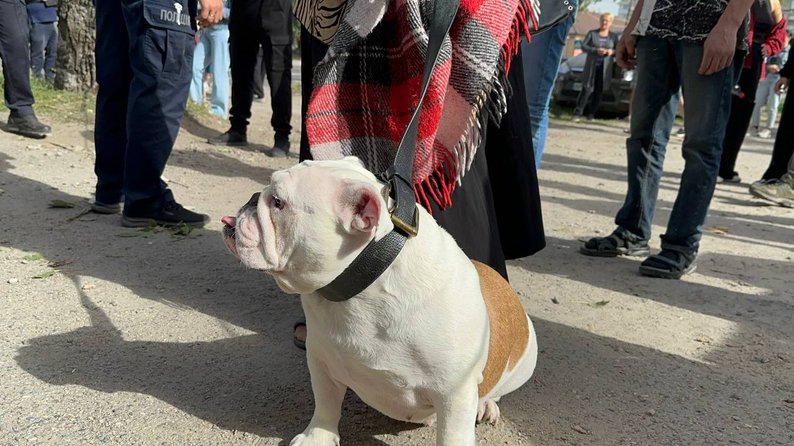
(360, 207)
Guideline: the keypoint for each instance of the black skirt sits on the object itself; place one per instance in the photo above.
(495, 213)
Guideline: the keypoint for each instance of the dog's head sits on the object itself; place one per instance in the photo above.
(309, 223)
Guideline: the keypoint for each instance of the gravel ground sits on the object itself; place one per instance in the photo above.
(115, 336)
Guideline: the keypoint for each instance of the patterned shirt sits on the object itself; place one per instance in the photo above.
(687, 20)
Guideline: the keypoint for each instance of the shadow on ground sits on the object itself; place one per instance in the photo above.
(258, 383)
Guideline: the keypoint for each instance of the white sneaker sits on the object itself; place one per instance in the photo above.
(765, 134)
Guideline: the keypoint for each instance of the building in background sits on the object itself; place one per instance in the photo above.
(625, 7)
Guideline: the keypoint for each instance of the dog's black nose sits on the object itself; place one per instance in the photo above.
(254, 200)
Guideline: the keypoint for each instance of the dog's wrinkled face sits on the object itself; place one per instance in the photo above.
(309, 223)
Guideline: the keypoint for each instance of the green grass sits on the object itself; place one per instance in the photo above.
(69, 106)
(58, 104)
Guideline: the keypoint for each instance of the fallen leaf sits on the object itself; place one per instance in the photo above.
(60, 204)
(83, 212)
(789, 400)
(554, 300)
(599, 304)
(45, 274)
(181, 230)
(129, 234)
(60, 263)
(719, 230)
(88, 286)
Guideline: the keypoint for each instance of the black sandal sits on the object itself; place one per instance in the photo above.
(301, 344)
(668, 264)
(614, 245)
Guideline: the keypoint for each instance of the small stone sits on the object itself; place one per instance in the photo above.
(650, 413)
(13, 280)
(88, 286)
(554, 300)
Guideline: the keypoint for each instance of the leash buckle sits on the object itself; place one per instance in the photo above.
(410, 229)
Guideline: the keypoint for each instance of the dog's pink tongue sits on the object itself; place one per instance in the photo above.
(230, 221)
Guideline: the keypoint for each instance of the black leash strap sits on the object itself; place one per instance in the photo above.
(378, 255)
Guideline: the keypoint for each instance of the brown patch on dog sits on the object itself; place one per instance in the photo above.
(507, 323)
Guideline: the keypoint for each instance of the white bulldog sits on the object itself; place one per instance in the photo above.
(435, 337)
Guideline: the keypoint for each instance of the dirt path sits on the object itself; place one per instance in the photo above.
(114, 336)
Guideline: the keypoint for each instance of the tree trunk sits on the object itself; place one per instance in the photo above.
(76, 69)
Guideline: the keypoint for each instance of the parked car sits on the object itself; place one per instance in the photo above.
(615, 97)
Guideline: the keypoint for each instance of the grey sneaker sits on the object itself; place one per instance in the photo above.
(734, 178)
(99, 207)
(780, 192)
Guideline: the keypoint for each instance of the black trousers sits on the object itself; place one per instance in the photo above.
(260, 73)
(590, 97)
(784, 142)
(14, 39)
(742, 105)
(312, 52)
(246, 38)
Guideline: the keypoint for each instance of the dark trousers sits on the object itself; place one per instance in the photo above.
(784, 142)
(260, 72)
(143, 71)
(14, 53)
(590, 97)
(43, 49)
(742, 106)
(246, 38)
(312, 52)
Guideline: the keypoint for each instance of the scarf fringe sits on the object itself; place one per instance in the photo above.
(493, 101)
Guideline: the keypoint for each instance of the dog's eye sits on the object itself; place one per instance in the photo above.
(277, 202)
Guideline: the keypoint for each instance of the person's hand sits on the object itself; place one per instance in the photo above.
(211, 12)
(626, 56)
(781, 86)
(718, 49)
(601, 52)
(773, 68)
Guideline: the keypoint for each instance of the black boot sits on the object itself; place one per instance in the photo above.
(28, 125)
(232, 137)
(280, 147)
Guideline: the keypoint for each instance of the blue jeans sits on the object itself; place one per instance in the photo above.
(212, 52)
(665, 65)
(766, 96)
(43, 49)
(541, 61)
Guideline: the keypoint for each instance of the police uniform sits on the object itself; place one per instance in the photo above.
(144, 59)
(265, 23)
(16, 59)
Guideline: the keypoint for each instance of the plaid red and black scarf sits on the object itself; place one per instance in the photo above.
(367, 86)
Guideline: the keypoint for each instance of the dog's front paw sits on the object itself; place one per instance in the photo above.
(488, 412)
(315, 437)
